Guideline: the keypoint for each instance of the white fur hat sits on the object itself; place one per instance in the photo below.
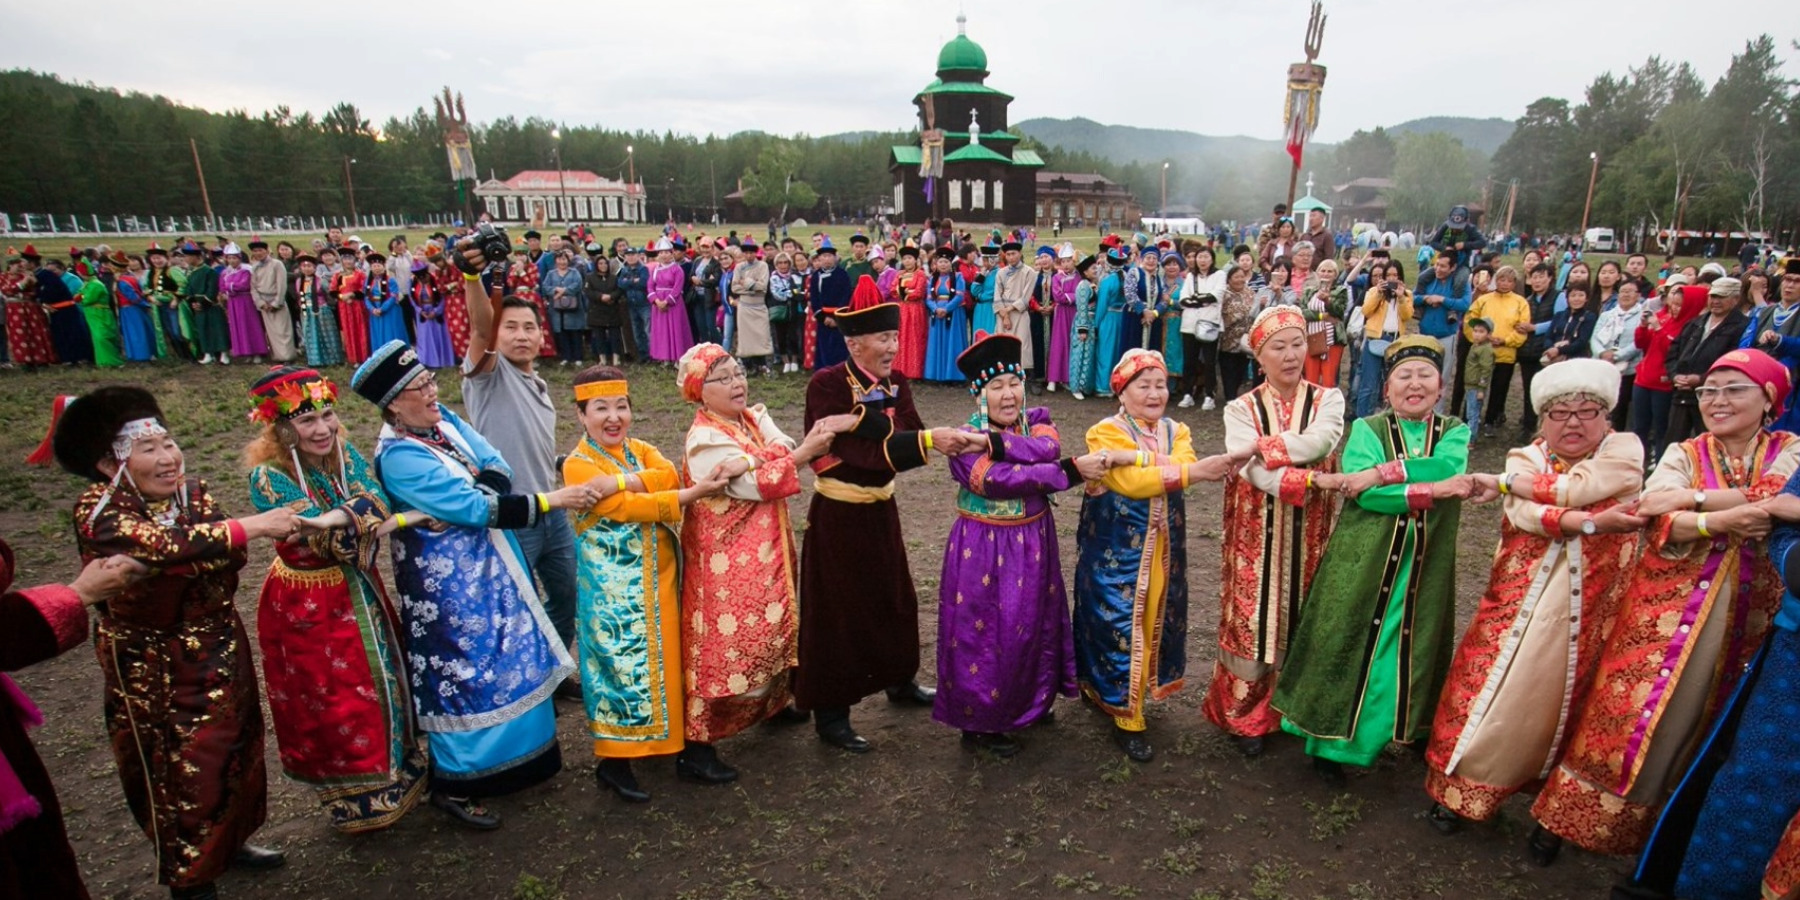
(1575, 376)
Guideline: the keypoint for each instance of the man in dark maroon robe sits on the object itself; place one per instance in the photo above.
(859, 615)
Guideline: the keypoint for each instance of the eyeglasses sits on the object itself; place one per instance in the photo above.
(423, 384)
(1733, 392)
(1584, 414)
(736, 373)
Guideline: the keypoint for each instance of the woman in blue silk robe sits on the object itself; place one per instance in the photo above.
(137, 323)
(482, 694)
(1084, 340)
(387, 318)
(1004, 648)
(1131, 612)
(947, 331)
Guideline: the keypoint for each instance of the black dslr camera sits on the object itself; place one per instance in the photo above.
(494, 244)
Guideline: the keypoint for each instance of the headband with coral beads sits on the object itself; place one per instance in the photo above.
(1273, 319)
(690, 372)
(1134, 363)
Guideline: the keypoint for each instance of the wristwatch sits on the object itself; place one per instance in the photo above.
(1699, 499)
(1588, 527)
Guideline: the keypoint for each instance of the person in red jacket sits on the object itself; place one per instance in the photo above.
(1653, 390)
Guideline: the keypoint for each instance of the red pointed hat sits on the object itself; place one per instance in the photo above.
(866, 294)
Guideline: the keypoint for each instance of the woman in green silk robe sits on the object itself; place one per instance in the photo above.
(1383, 604)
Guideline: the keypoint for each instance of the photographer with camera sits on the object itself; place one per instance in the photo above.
(1202, 321)
(1387, 311)
(510, 405)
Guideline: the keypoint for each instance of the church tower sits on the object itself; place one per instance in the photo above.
(987, 177)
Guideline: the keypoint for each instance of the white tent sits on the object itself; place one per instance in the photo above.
(1174, 226)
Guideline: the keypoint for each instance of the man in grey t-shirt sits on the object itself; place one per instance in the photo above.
(511, 407)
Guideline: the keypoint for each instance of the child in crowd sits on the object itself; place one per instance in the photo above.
(1478, 368)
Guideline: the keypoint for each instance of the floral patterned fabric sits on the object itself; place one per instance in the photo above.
(481, 653)
(627, 598)
(740, 627)
(180, 696)
(332, 655)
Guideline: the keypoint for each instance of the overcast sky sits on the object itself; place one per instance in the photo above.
(786, 67)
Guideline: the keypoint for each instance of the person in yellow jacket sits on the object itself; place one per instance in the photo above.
(1387, 309)
(1510, 315)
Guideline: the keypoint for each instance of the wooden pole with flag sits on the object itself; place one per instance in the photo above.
(1306, 81)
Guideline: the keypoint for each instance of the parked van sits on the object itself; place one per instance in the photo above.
(1600, 240)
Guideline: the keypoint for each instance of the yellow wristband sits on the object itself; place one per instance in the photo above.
(1309, 478)
(620, 481)
(1143, 459)
(543, 503)
(928, 442)
(1700, 526)
(1506, 484)
(751, 462)
(469, 277)
(399, 520)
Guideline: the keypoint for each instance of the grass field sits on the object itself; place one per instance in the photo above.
(917, 818)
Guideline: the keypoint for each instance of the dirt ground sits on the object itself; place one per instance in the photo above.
(918, 817)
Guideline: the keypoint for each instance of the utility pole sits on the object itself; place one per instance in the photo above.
(562, 187)
(1593, 174)
(350, 185)
(205, 199)
(1163, 210)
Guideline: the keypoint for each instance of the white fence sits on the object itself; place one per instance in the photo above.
(48, 225)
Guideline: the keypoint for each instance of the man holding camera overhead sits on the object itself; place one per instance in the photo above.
(509, 403)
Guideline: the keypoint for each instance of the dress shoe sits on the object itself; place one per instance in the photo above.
(842, 736)
(997, 745)
(615, 775)
(1249, 746)
(207, 891)
(467, 811)
(257, 858)
(569, 690)
(911, 694)
(1543, 846)
(791, 715)
(1330, 771)
(1136, 746)
(1441, 818)
(700, 762)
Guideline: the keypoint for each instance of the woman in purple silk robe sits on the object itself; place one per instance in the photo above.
(248, 341)
(1004, 647)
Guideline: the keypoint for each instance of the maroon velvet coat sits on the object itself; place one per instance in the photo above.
(859, 614)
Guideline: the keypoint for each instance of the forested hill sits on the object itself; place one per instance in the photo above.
(1125, 144)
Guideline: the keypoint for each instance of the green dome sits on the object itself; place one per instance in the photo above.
(962, 55)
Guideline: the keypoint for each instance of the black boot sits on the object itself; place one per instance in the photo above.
(1135, 744)
(1249, 746)
(1543, 846)
(997, 745)
(700, 762)
(1441, 818)
(911, 694)
(257, 859)
(1330, 771)
(839, 734)
(790, 715)
(615, 775)
(207, 891)
(467, 811)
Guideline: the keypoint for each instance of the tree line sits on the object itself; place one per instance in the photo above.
(1670, 150)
